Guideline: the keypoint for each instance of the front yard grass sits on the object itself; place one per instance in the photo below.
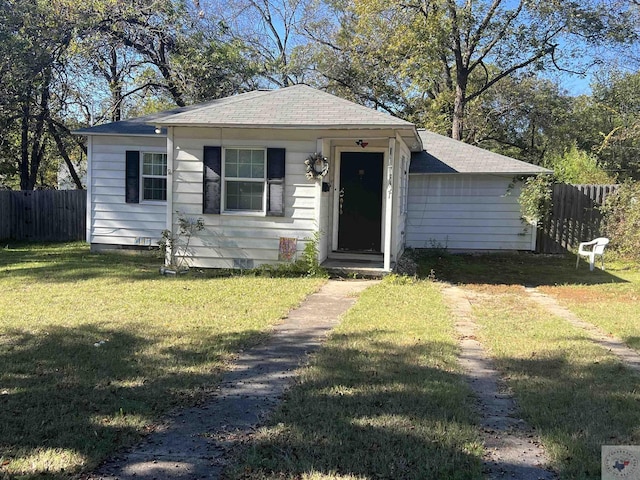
(384, 398)
(94, 348)
(576, 394)
(614, 307)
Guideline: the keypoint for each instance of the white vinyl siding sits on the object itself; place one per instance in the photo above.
(112, 221)
(235, 239)
(466, 212)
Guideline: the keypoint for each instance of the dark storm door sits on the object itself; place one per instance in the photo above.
(360, 197)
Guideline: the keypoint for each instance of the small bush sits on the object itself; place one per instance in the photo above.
(622, 220)
(307, 266)
(535, 197)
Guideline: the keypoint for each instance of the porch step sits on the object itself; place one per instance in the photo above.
(350, 267)
(357, 256)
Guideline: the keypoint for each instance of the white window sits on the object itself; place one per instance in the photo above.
(244, 173)
(154, 176)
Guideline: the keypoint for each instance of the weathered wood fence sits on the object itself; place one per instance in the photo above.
(43, 215)
(575, 217)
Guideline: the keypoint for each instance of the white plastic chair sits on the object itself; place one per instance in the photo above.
(591, 249)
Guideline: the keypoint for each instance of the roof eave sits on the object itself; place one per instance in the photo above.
(458, 172)
(118, 134)
(286, 126)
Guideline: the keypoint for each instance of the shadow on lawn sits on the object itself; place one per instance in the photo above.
(383, 413)
(62, 263)
(509, 269)
(60, 391)
(576, 408)
(373, 412)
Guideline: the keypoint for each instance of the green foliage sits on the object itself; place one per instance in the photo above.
(175, 246)
(527, 118)
(34, 41)
(307, 266)
(535, 197)
(622, 220)
(310, 256)
(578, 167)
(616, 105)
(432, 61)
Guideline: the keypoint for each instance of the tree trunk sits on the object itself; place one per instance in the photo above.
(24, 146)
(37, 138)
(115, 86)
(457, 126)
(63, 151)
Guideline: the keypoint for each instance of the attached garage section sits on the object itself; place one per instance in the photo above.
(465, 212)
(463, 198)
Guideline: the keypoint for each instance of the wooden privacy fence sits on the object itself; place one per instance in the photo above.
(575, 217)
(43, 215)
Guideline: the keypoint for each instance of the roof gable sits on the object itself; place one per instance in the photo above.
(297, 106)
(446, 155)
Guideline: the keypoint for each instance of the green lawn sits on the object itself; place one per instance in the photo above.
(576, 394)
(385, 398)
(94, 348)
(613, 306)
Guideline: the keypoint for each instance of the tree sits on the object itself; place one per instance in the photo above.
(615, 111)
(578, 167)
(458, 51)
(528, 118)
(271, 33)
(163, 46)
(36, 36)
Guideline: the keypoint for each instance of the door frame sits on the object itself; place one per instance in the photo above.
(336, 191)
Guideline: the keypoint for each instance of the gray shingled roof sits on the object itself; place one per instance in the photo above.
(298, 106)
(133, 126)
(143, 125)
(446, 155)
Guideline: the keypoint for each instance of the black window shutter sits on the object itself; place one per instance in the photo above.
(212, 182)
(275, 181)
(132, 177)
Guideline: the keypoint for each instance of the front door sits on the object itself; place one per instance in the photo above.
(360, 207)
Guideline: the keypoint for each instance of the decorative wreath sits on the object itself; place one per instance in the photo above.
(317, 166)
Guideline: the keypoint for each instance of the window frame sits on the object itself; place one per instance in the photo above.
(143, 199)
(225, 210)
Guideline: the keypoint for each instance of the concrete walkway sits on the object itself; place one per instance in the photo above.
(614, 345)
(511, 447)
(193, 444)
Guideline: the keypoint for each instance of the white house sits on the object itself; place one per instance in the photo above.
(379, 184)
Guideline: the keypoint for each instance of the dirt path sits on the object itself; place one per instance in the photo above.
(512, 448)
(193, 444)
(612, 344)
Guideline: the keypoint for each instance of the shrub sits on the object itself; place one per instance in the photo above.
(535, 197)
(622, 220)
(576, 166)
